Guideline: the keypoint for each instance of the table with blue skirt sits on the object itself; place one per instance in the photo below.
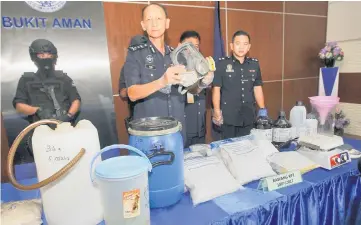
(323, 198)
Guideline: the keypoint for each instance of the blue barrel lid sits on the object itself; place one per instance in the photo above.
(152, 126)
(121, 167)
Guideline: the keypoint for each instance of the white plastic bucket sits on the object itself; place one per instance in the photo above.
(123, 184)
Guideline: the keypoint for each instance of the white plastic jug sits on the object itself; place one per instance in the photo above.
(72, 199)
(123, 182)
(298, 118)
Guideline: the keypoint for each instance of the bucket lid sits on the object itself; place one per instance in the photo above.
(121, 167)
(154, 126)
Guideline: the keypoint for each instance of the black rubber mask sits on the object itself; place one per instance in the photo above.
(45, 65)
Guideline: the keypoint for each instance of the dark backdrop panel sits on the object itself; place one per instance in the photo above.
(77, 30)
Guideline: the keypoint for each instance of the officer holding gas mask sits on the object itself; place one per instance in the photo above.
(150, 78)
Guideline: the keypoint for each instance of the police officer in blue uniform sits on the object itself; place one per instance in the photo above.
(150, 78)
(237, 86)
(195, 108)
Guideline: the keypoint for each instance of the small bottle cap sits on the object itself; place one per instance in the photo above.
(299, 103)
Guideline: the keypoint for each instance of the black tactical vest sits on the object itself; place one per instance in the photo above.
(48, 93)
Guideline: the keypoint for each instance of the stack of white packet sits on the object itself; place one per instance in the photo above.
(207, 178)
(283, 162)
(27, 212)
(246, 161)
(204, 149)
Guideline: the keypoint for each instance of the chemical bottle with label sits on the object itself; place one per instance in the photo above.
(282, 129)
(298, 118)
(263, 126)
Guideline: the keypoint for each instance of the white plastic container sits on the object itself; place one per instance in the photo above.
(298, 118)
(123, 182)
(72, 197)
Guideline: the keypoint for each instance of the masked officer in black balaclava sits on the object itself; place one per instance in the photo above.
(48, 93)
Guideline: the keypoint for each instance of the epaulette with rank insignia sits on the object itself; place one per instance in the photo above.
(223, 58)
(170, 48)
(253, 59)
(137, 47)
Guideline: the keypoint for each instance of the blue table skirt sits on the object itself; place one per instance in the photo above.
(324, 198)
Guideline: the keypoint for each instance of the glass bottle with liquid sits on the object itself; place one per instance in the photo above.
(282, 129)
(263, 126)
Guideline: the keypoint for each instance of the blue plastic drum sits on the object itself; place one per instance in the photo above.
(159, 138)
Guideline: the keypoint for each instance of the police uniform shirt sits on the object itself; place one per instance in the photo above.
(123, 85)
(237, 81)
(29, 90)
(121, 80)
(196, 115)
(143, 65)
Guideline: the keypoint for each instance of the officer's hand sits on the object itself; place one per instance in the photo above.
(262, 112)
(64, 118)
(171, 75)
(44, 113)
(207, 80)
(217, 117)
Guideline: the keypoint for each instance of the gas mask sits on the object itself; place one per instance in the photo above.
(196, 65)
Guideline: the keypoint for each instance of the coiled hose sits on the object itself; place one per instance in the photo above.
(10, 160)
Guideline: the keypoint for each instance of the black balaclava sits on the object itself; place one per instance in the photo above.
(45, 66)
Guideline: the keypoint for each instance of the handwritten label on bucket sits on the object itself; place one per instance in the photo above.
(131, 203)
(56, 154)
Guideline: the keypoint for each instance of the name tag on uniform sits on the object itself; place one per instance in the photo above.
(190, 98)
(244, 80)
(148, 66)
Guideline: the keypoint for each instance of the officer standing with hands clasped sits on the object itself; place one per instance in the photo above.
(237, 86)
(195, 107)
(149, 76)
